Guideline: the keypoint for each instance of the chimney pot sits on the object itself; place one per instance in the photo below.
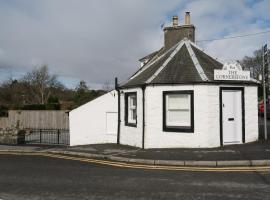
(175, 21)
(187, 18)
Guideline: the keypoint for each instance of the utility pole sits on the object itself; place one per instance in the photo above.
(265, 78)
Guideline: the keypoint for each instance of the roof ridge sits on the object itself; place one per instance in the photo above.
(179, 46)
(152, 61)
(152, 55)
(201, 49)
(196, 62)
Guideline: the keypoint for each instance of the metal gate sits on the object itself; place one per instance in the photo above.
(47, 136)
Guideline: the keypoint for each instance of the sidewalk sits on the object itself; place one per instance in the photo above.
(256, 153)
(252, 151)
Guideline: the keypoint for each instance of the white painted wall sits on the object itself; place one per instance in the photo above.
(206, 118)
(251, 113)
(88, 123)
(131, 135)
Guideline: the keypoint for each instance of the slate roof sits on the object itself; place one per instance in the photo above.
(149, 56)
(183, 63)
(179, 69)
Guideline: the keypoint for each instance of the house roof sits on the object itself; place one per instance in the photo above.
(149, 56)
(183, 63)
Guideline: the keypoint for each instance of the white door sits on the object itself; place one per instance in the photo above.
(232, 116)
(111, 122)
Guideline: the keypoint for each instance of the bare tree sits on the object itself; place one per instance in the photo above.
(107, 86)
(40, 83)
(254, 63)
(82, 86)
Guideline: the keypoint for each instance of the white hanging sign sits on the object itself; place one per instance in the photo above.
(231, 71)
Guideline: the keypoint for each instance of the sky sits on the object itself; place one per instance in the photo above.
(98, 40)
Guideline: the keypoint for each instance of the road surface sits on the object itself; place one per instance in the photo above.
(35, 177)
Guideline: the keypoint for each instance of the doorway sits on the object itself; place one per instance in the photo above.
(232, 115)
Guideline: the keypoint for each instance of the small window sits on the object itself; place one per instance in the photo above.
(178, 111)
(131, 109)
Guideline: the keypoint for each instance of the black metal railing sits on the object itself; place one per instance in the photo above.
(47, 136)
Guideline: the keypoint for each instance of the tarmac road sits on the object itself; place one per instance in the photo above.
(34, 177)
(261, 127)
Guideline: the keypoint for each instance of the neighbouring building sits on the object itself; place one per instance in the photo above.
(179, 97)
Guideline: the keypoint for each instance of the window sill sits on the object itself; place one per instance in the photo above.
(131, 124)
(184, 129)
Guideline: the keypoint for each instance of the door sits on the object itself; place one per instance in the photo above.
(232, 116)
(111, 122)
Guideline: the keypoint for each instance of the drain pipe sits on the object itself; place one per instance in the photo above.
(143, 116)
(119, 114)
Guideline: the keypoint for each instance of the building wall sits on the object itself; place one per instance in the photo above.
(206, 118)
(251, 114)
(131, 135)
(88, 123)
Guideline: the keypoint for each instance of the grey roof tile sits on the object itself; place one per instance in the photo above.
(179, 70)
(148, 72)
(208, 63)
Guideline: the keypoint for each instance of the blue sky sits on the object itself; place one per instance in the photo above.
(97, 40)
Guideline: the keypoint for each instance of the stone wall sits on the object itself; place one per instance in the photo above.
(173, 35)
(11, 136)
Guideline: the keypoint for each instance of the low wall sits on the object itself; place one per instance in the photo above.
(11, 136)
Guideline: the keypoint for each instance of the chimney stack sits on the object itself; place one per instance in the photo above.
(187, 18)
(175, 21)
(175, 33)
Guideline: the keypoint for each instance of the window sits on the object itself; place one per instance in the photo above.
(131, 109)
(178, 111)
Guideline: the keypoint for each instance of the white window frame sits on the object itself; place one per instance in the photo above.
(184, 106)
(131, 109)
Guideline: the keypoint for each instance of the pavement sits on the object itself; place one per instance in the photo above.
(37, 177)
(250, 154)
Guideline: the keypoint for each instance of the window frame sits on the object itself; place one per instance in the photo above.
(127, 95)
(186, 129)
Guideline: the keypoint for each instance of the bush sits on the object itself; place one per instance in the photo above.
(3, 111)
(53, 106)
(33, 107)
(53, 100)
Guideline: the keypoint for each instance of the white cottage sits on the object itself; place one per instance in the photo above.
(180, 97)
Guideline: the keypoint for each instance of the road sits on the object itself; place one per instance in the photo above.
(261, 127)
(34, 177)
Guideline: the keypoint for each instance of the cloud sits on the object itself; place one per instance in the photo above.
(221, 18)
(97, 40)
